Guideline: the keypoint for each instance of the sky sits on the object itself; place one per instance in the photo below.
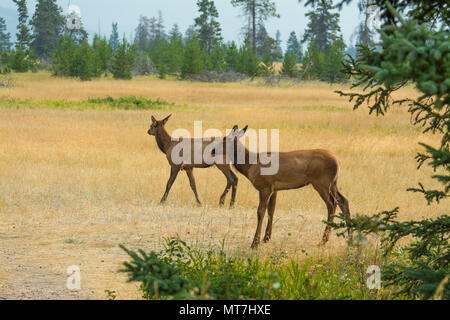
(98, 15)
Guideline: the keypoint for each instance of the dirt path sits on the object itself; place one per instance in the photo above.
(28, 281)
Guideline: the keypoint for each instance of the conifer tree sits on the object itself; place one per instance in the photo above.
(294, 45)
(413, 50)
(217, 58)
(249, 61)
(278, 52)
(142, 34)
(208, 28)
(192, 59)
(162, 58)
(5, 37)
(124, 60)
(289, 65)
(114, 40)
(47, 25)
(102, 54)
(83, 62)
(23, 36)
(176, 48)
(323, 26)
(256, 13)
(265, 45)
(232, 57)
(20, 62)
(63, 57)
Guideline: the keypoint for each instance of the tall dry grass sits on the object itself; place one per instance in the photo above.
(74, 184)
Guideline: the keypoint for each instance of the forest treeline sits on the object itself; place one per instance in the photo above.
(57, 42)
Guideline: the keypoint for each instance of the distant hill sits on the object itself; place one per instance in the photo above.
(10, 15)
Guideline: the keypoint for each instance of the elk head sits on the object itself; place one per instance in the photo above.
(157, 125)
(231, 142)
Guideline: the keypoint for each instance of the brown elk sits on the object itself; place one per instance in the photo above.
(166, 145)
(296, 170)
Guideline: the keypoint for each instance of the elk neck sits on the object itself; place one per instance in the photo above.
(163, 139)
(242, 168)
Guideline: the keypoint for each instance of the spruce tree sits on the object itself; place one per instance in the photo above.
(265, 45)
(23, 36)
(413, 50)
(249, 60)
(192, 59)
(176, 48)
(294, 46)
(232, 57)
(63, 57)
(114, 40)
(208, 28)
(278, 52)
(5, 37)
(47, 25)
(189, 34)
(289, 65)
(332, 67)
(124, 60)
(142, 34)
(217, 58)
(20, 61)
(268, 65)
(162, 58)
(83, 62)
(102, 54)
(256, 12)
(323, 26)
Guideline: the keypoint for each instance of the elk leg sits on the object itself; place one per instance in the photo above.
(270, 211)
(224, 194)
(325, 193)
(234, 189)
(232, 181)
(190, 174)
(343, 204)
(264, 196)
(173, 175)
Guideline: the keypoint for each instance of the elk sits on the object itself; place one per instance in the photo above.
(166, 144)
(296, 170)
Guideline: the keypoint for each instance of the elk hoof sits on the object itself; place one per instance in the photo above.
(266, 239)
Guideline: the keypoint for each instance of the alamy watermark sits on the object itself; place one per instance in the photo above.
(373, 23)
(73, 282)
(211, 148)
(374, 280)
(73, 21)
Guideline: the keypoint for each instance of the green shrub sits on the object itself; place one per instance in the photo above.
(181, 272)
(131, 102)
(419, 269)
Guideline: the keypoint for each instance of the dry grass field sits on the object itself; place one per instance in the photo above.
(74, 184)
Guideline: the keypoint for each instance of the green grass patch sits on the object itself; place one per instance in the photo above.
(182, 272)
(108, 103)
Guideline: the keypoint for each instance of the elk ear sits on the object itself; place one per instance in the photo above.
(245, 129)
(153, 119)
(166, 119)
(235, 128)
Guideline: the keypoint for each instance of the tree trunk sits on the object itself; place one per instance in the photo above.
(254, 25)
